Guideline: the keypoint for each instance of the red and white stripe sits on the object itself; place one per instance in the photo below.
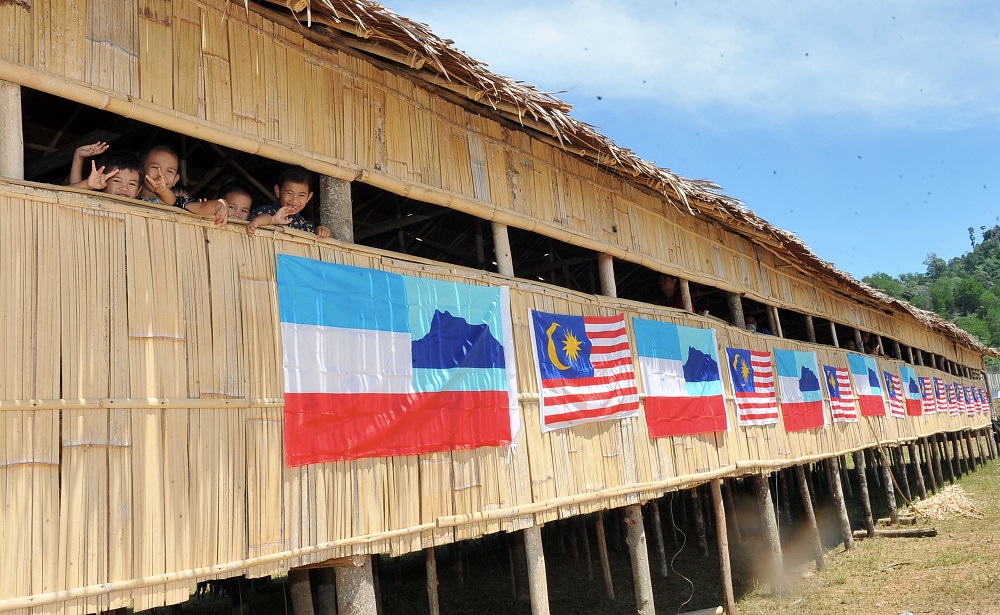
(611, 393)
(928, 401)
(844, 410)
(896, 405)
(761, 406)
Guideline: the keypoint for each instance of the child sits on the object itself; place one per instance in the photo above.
(239, 198)
(118, 175)
(293, 194)
(159, 165)
(80, 155)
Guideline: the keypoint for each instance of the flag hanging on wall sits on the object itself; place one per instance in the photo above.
(584, 368)
(927, 396)
(838, 387)
(912, 393)
(953, 407)
(753, 383)
(379, 364)
(864, 372)
(798, 385)
(680, 373)
(895, 393)
(941, 395)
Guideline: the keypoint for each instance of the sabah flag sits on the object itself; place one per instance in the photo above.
(380, 364)
(866, 384)
(927, 396)
(895, 392)
(584, 367)
(680, 371)
(798, 384)
(912, 391)
(753, 383)
(838, 387)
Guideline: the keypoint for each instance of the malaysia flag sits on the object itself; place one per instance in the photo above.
(680, 371)
(895, 393)
(798, 385)
(379, 364)
(753, 383)
(866, 384)
(927, 397)
(953, 407)
(911, 390)
(838, 387)
(584, 367)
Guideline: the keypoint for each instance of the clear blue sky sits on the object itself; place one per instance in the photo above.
(869, 129)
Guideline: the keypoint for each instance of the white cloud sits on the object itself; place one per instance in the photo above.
(899, 62)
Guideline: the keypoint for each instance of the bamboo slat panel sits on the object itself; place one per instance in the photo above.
(17, 27)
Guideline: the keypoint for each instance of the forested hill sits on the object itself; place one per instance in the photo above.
(964, 290)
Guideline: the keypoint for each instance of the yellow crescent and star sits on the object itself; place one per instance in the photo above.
(740, 367)
(832, 381)
(571, 347)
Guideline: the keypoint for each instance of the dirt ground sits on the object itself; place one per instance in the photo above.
(956, 572)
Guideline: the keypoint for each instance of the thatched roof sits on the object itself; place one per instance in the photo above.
(378, 32)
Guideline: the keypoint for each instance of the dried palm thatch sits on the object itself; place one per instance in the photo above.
(411, 47)
(952, 501)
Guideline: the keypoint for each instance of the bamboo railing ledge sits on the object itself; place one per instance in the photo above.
(206, 403)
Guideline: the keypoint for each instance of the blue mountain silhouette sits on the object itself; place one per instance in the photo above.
(914, 388)
(453, 342)
(808, 380)
(700, 367)
(873, 379)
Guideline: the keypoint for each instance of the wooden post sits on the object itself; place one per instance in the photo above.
(501, 249)
(901, 477)
(917, 472)
(775, 321)
(784, 494)
(519, 566)
(325, 580)
(920, 357)
(866, 503)
(537, 581)
(769, 524)
(872, 460)
(606, 269)
(686, 295)
(661, 550)
(800, 473)
(727, 495)
(639, 553)
(933, 359)
(833, 334)
(602, 554)
(356, 588)
(301, 591)
(857, 340)
(942, 444)
(335, 209)
(699, 521)
(722, 536)
(972, 453)
(430, 564)
(925, 452)
(838, 502)
(585, 538)
(897, 351)
(845, 478)
(736, 310)
(909, 353)
(812, 486)
(963, 468)
(810, 329)
(11, 132)
(890, 491)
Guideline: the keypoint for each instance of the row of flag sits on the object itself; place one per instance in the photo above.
(379, 364)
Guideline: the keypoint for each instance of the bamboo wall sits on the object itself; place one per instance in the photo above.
(213, 68)
(141, 417)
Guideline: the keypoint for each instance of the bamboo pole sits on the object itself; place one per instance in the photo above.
(335, 209)
(430, 564)
(639, 554)
(537, 581)
(11, 131)
(917, 472)
(800, 473)
(833, 475)
(661, 551)
(356, 588)
(722, 536)
(501, 247)
(866, 504)
(602, 554)
(770, 526)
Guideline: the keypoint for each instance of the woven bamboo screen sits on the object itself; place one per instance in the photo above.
(210, 66)
(141, 417)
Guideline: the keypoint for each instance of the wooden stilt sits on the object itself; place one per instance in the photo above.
(519, 566)
(699, 522)
(430, 565)
(925, 453)
(537, 580)
(812, 485)
(585, 539)
(810, 329)
(722, 537)
(784, 495)
(845, 478)
(734, 517)
(963, 467)
(901, 477)
(866, 504)
(673, 522)
(325, 581)
(979, 445)
(917, 472)
(872, 462)
(459, 562)
(301, 591)
(356, 588)
(569, 531)
(890, 491)
(942, 460)
(11, 132)
(639, 554)
(769, 524)
(377, 581)
(800, 473)
(602, 554)
(661, 551)
(839, 504)
(335, 210)
(972, 452)
(239, 596)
